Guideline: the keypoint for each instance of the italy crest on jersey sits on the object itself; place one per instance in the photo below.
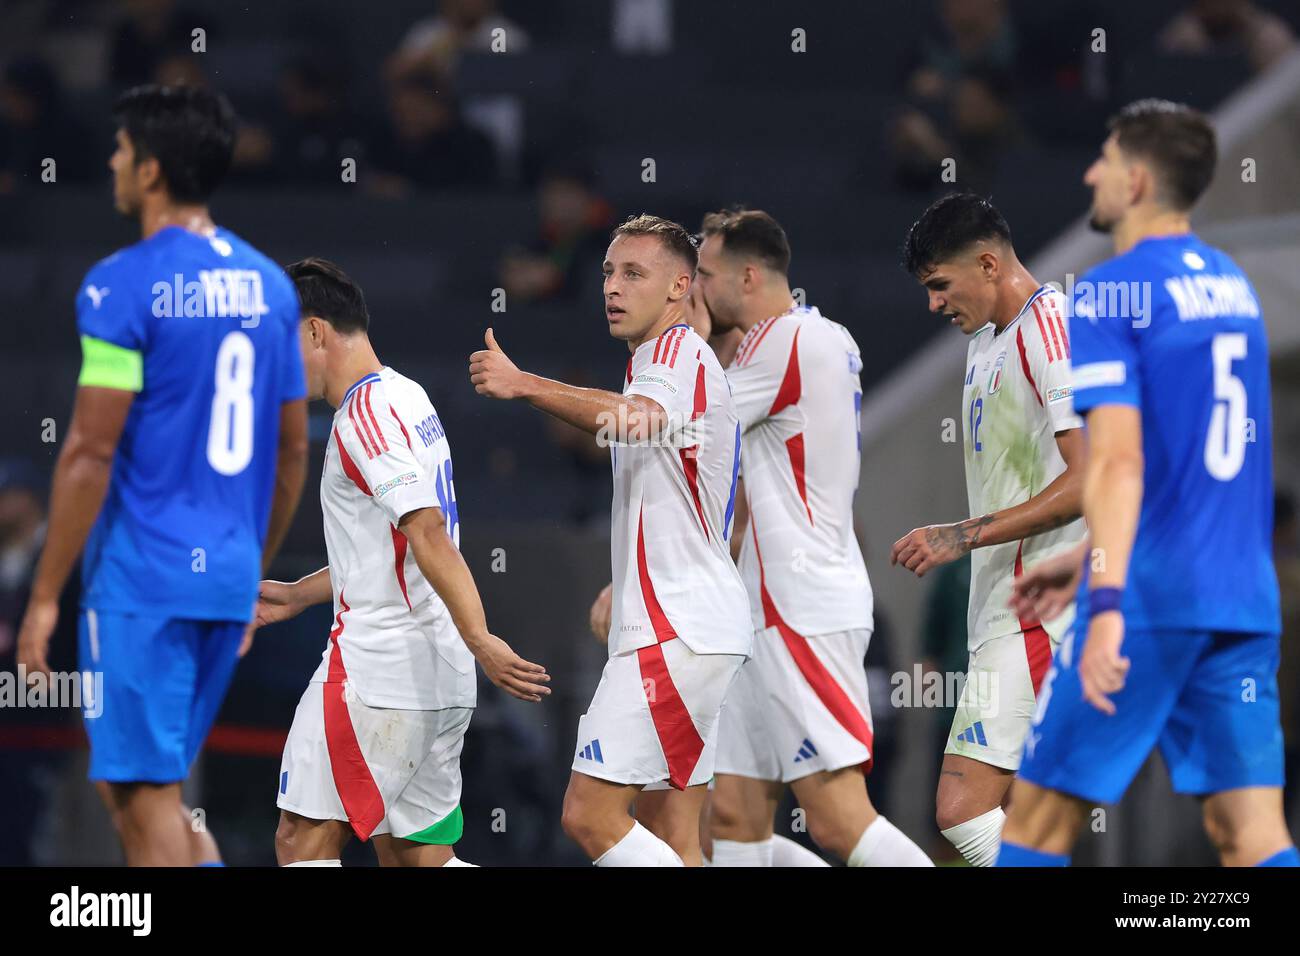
(995, 379)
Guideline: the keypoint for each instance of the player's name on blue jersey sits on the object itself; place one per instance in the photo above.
(1211, 296)
(215, 293)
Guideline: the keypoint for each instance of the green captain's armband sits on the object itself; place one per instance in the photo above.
(105, 365)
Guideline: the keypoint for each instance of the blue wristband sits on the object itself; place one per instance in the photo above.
(1101, 600)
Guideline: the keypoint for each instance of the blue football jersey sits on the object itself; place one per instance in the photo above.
(215, 325)
(1174, 328)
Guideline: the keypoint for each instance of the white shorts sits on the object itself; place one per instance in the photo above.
(997, 701)
(382, 770)
(799, 706)
(654, 717)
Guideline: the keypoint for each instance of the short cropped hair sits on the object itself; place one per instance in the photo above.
(673, 235)
(326, 291)
(1179, 143)
(949, 227)
(190, 131)
(750, 232)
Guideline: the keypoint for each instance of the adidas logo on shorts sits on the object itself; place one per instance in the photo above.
(806, 751)
(974, 734)
(592, 752)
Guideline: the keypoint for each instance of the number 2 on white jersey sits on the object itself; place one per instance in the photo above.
(230, 427)
(1225, 442)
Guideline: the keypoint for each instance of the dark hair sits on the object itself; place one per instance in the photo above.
(950, 226)
(1176, 139)
(673, 235)
(190, 131)
(750, 232)
(327, 292)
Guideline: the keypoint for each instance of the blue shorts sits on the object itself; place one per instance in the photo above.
(1208, 699)
(162, 682)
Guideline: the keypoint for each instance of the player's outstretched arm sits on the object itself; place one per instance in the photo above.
(444, 568)
(279, 601)
(81, 480)
(1061, 502)
(623, 418)
(290, 474)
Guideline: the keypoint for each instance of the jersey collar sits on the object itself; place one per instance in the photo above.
(1041, 291)
(371, 377)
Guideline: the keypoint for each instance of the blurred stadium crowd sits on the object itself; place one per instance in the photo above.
(441, 151)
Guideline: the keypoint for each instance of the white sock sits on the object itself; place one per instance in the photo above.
(883, 844)
(639, 848)
(978, 838)
(315, 863)
(785, 852)
(736, 853)
(457, 861)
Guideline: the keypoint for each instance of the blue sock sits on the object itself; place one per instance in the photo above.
(212, 863)
(1012, 854)
(1288, 857)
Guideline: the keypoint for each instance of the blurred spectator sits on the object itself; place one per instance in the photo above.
(1286, 556)
(433, 45)
(35, 125)
(1224, 27)
(959, 91)
(427, 143)
(149, 32)
(642, 26)
(570, 245)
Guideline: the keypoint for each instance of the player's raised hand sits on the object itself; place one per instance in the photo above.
(922, 549)
(39, 621)
(1046, 589)
(514, 675)
(1101, 668)
(602, 612)
(492, 372)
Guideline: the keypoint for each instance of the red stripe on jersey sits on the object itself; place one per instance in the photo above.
(1024, 363)
(399, 562)
(791, 385)
(758, 339)
(691, 466)
(794, 448)
(349, 466)
(823, 683)
(654, 359)
(359, 426)
(352, 778)
(379, 432)
(681, 742)
(677, 346)
(701, 393)
(1038, 643)
(629, 371)
(1056, 340)
(405, 433)
(1060, 324)
(1042, 333)
(663, 629)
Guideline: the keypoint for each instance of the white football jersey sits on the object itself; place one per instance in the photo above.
(795, 379)
(674, 500)
(1018, 395)
(396, 644)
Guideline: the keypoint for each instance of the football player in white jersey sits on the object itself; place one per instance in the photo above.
(374, 749)
(798, 715)
(1023, 448)
(679, 627)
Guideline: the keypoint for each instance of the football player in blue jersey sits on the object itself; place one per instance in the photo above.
(1177, 635)
(180, 469)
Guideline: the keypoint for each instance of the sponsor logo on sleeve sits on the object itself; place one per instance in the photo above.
(645, 378)
(1059, 394)
(409, 478)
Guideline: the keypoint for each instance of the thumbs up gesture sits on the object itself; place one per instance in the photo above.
(492, 372)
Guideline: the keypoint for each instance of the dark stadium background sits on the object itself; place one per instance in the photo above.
(831, 141)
